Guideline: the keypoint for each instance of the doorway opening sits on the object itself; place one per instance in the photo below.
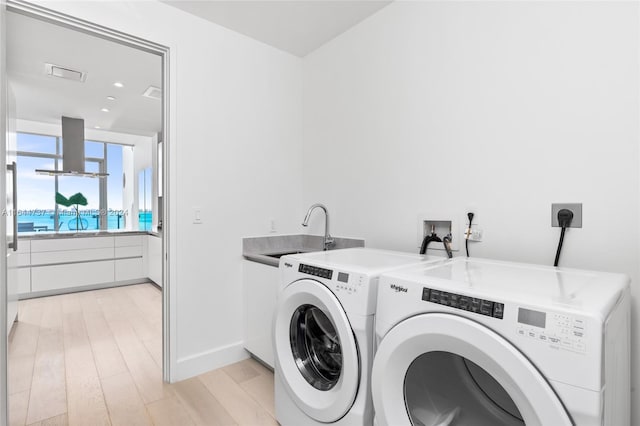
(93, 271)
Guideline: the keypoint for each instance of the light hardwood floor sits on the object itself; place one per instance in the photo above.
(95, 358)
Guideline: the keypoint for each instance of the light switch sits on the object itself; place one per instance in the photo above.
(197, 215)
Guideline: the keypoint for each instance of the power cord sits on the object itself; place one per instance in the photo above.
(565, 217)
(466, 241)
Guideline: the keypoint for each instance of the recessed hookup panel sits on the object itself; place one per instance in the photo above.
(441, 228)
(576, 208)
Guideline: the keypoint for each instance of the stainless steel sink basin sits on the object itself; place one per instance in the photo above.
(269, 249)
(279, 255)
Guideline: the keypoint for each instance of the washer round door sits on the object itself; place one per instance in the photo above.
(445, 369)
(315, 350)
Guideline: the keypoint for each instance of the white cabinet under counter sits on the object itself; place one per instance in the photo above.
(129, 257)
(260, 293)
(65, 276)
(129, 246)
(23, 265)
(153, 264)
(59, 264)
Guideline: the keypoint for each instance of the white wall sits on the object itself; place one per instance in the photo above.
(499, 107)
(233, 150)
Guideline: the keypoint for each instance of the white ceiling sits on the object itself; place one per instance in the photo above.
(31, 43)
(298, 27)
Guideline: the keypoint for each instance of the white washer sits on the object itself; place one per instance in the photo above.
(481, 342)
(324, 334)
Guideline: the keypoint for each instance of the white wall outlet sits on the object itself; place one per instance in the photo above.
(197, 215)
(473, 234)
(272, 226)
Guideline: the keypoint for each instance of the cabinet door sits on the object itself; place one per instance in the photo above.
(260, 293)
(55, 277)
(129, 269)
(24, 281)
(128, 240)
(154, 259)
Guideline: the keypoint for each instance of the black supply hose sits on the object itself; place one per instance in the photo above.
(427, 240)
(447, 245)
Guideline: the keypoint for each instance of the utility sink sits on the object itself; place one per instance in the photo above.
(279, 255)
(269, 249)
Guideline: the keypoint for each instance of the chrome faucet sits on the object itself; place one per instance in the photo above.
(328, 240)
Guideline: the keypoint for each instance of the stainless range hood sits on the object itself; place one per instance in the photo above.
(72, 151)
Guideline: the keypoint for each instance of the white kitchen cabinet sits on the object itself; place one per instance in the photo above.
(24, 281)
(78, 243)
(23, 260)
(128, 254)
(50, 264)
(129, 251)
(129, 240)
(260, 293)
(129, 269)
(24, 271)
(54, 277)
(154, 259)
(70, 256)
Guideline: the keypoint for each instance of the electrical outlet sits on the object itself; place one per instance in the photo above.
(576, 209)
(475, 234)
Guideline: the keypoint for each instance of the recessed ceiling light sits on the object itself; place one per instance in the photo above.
(111, 98)
(118, 84)
(105, 110)
(97, 127)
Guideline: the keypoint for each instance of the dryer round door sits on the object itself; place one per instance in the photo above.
(444, 369)
(315, 350)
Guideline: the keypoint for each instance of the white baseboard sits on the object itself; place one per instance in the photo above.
(194, 365)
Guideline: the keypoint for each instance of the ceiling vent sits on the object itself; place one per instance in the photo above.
(153, 92)
(66, 73)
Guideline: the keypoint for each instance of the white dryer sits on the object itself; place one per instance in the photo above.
(481, 342)
(324, 334)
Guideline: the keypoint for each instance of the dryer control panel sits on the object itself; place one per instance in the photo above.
(465, 303)
(558, 330)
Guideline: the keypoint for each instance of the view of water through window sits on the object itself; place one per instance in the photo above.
(37, 207)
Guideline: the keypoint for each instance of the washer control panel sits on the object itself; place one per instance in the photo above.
(559, 331)
(344, 282)
(465, 303)
(316, 271)
(349, 283)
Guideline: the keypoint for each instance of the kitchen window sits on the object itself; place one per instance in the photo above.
(37, 207)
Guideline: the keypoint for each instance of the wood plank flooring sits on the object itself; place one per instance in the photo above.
(95, 358)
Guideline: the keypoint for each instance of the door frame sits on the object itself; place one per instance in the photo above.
(4, 342)
(57, 18)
